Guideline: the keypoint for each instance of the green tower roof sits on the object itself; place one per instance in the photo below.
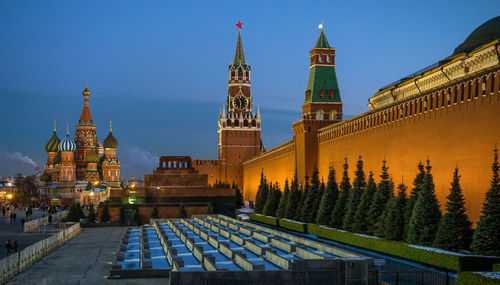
(322, 78)
(322, 41)
(239, 55)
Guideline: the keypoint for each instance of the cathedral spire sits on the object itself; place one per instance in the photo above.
(322, 41)
(239, 56)
(86, 116)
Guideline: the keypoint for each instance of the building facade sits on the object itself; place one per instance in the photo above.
(447, 113)
(73, 164)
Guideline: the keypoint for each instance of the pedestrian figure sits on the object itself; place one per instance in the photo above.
(15, 247)
(22, 224)
(50, 219)
(8, 246)
(11, 217)
(3, 211)
(14, 215)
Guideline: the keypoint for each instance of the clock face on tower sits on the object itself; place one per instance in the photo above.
(240, 102)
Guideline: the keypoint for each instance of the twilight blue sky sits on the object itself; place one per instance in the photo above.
(158, 69)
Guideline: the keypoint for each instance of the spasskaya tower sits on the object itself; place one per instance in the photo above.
(239, 124)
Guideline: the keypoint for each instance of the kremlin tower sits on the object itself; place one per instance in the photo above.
(239, 124)
(71, 165)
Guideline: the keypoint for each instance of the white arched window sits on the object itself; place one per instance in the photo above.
(333, 115)
(327, 58)
(319, 115)
(319, 58)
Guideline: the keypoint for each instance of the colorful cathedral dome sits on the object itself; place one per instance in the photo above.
(53, 144)
(110, 141)
(45, 177)
(92, 157)
(67, 144)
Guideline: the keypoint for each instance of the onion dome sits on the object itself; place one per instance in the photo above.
(67, 144)
(86, 91)
(485, 33)
(45, 177)
(92, 157)
(57, 159)
(110, 141)
(53, 144)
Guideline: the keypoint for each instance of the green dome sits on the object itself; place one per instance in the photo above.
(53, 144)
(110, 141)
(45, 177)
(487, 32)
(92, 157)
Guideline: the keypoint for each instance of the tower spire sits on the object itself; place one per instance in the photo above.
(67, 128)
(110, 126)
(239, 56)
(54, 125)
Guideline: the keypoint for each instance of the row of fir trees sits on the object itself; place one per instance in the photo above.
(366, 207)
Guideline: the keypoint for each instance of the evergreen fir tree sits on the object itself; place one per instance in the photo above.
(455, 229)
(328, 199)
(361, 217)
(239, 203)
(412, 199)
(338, 213)
(380, 199)
(104, 214)
(487, 235)
(281, 211)
(322, 189)
(354, 198)
(294, 199)
(73, 214)
(273, 200)
(303, 195)
(182, 212)
(261, 194)
(91, 217)
(308, 215)
(395, 216)
(426, 214)
(154, 212)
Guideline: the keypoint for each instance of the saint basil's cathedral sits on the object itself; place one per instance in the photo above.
(73, 164)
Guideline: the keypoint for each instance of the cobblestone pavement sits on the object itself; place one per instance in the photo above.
(86, 259)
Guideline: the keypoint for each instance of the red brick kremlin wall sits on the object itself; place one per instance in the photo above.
(460, 131)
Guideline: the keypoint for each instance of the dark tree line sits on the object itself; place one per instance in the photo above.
(369, 208)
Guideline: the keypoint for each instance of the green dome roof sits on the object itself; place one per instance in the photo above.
(53, 144)
(110, 141)
(92, 157)
(487, 32)
(45, 177)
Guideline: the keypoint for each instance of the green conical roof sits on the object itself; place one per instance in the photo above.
(239, 56)
(322, 41)
(92, 157)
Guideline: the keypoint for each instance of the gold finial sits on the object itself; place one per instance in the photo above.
(86, 83)
(110, 126)
(54, 125)
(67, 128)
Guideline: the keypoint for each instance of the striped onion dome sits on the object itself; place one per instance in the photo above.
(67, 144)
(110, 141)
(92, 157)
(53, 144)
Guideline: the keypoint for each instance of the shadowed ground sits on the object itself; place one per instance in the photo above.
(86, 259)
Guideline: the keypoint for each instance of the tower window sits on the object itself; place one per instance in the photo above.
(331, 94)
(319, 58)
(319, 115)
(240, 73)
(328, 58)
(321, 94)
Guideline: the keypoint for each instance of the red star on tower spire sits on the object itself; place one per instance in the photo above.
(239, 25)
